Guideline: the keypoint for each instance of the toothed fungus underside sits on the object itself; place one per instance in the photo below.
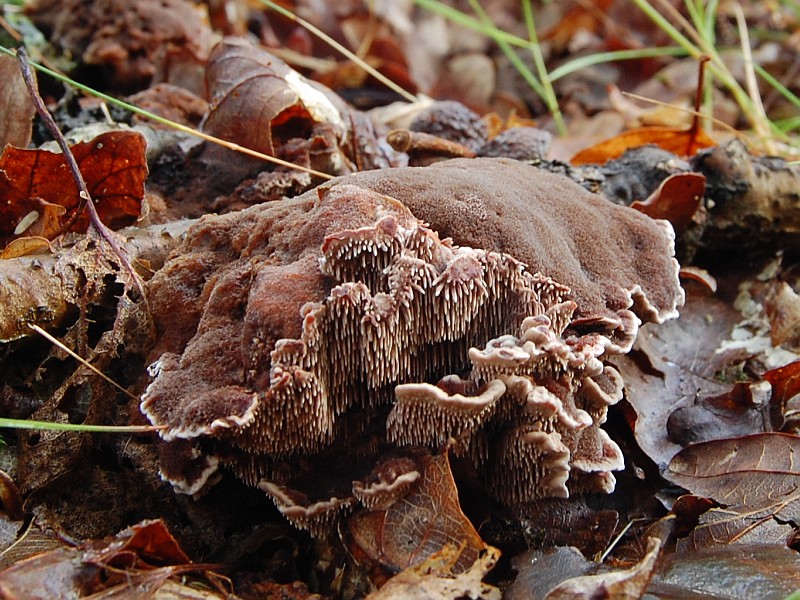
(344, 323)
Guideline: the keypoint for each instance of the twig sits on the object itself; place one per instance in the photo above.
(83, 361)
(94, 219)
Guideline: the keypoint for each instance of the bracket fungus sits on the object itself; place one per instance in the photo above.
(473, 299)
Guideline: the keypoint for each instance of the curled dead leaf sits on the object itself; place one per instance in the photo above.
(16, 107)
(258, 101)
(676, 199)
(629, 583)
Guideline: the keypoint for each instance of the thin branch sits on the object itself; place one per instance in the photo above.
(94, 219)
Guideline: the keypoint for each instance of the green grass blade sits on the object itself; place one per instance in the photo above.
(590, 60)
(538, 60)
(45, 426)
(512, 56)
(460, 18)
(668, 28)
(781, 89)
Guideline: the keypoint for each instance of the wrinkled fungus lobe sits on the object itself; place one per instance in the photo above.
(473, 299)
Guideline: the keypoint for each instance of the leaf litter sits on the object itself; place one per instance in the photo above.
(718, 382)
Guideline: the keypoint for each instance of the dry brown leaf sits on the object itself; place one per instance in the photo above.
(143, 545)
(764, 571)
(433, 579)
(578, 19)
(25, 246)
(782, 306)
(754, 479)
(259, 102)
(748, 407)
(418, 525)
(673, 364)
(111, 568)
(16, 107)
(676, 199)
(683, 142)
(39, 196)
(628, 584)
(564, 573)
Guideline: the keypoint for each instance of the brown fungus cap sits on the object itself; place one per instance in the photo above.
(282, 323)
(314, 517)
(610, 257)
(535, 425)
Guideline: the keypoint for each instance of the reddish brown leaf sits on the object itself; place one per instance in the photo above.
(676, 199)
(785, 381)
(107, 568)
(38, 195)
(10, 498)
(419, 524)
(748, 407)
(147, 543)
(754, 478)
(683, 142)
(16, 107)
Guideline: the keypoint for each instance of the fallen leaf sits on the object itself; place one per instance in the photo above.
(754, 479)
(39, 196)
(419, 524)
(433, 579)
(10, 498)
(24, 246)
(782, 306)
(785, 382)
(105, 569)
(746, 408)
(673, 364)
(16, 107)
(577, 20)
(764, 571)
(145, 544)
(676, 199)
(564, 573)
(541, 570)
(622, 584)
(259, 102)
(683, 142)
